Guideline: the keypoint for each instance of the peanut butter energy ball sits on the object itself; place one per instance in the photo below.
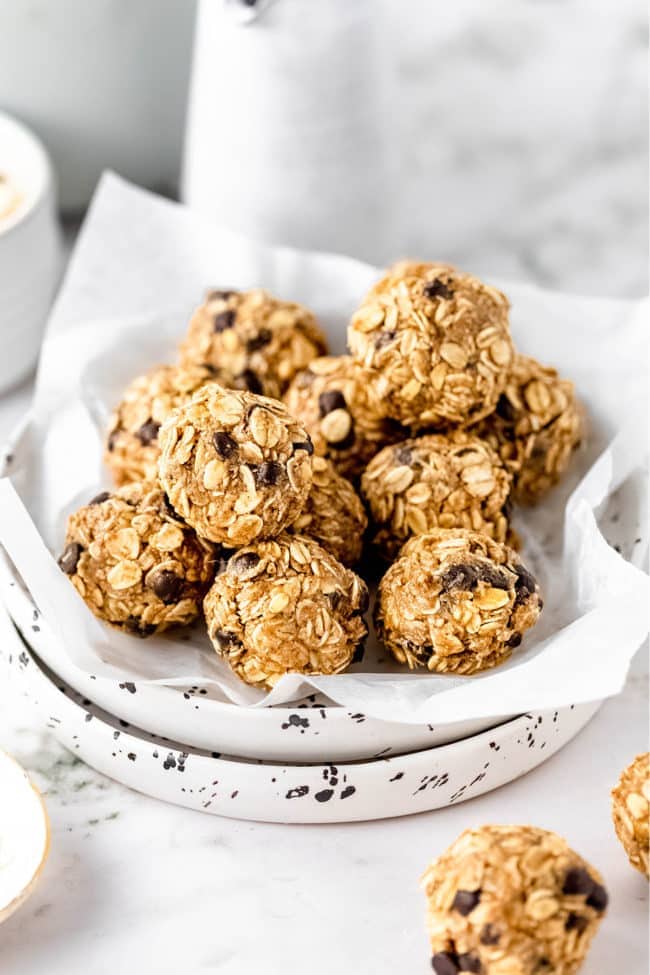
(284, 606)
(436, 481)
(631, 811)
(436, 342)
(235, 466)
(134, 562)
(455, 601)
(332, 397)
(132, 449)
(260, 341)
(333, 514)
(537, 424)
(511, 900)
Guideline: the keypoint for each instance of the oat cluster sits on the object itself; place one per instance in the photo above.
(235, 466)
(333, 398)
(631, 811)
(455, 601)
(131, 446)
(286, 605)
(259, 436)
(436, 344)
(252, 340)
(536, 426)
(333, 514)
(511, 900)
(136, 564)
(436, 481)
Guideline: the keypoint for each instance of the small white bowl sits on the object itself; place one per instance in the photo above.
(30, 251)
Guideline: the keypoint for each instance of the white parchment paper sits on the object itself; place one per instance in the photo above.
(140, 267)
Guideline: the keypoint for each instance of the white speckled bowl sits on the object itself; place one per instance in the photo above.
(285, 793)
(309, 731)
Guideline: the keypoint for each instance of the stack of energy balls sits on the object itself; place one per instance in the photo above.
(237, 472)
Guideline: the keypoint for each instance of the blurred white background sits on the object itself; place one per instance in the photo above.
(513, 135)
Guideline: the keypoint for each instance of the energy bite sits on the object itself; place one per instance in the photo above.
(235, 466)
(134, 562)
(284, 606)
(511, 900)
(258, 339)
(132, 449)
(436, 481)
(332, 398)
(436, 343)
(535, 427)
(631, 811)
(455, 601)
(333, 514)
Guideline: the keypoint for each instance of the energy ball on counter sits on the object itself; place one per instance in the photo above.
(258, 339)
(537, 424)
(455, 601)
(436, 342)
(333, 514)
(436, 481)
(134, 562)
(132, 449)
(511, 900)
(631, 811)
(235, 466)
(332, 398)
(284, 606)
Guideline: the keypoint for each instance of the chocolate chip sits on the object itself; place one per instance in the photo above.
(99, 498)
(138, 628)
(467, 576)
(489, 935)
(578, 881)
(330, 401)
(576, 922)
(465, 901)
(148, 432)
(436, 289)
(444, 963)
(258, 341)
(469, 963)
(226, 640)
(525, 585)
(224, 444)
(70, 557)
(304, 445)
(403, 455)
(267, 473)
(224, 320)
(217, 293)
(505, 409)
(598, 898)
(112, 440)
(166, 585)
(384, 339)
(249, 381)
(514, 641)
(244, 562)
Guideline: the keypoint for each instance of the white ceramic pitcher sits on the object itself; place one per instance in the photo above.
(288, 135)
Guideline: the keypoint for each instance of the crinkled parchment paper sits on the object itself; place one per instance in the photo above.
(140, 266)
